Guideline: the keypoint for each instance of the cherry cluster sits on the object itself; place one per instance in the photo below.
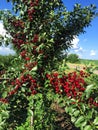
(25, 81)
(24, 55)
(4, 100)
(29, 82)
(72, 85)
(36, 51)
(18, 23)
(18, 38)
(29, 66)
(18, 42)
(36, 38)
(31, 10)
(92, 103)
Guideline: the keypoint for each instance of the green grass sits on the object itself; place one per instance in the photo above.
(86, 61)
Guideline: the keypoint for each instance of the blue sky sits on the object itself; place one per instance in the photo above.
(85, 45)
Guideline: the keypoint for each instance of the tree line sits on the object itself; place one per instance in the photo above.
(6, 61)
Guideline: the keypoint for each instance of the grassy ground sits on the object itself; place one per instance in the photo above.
(86, 61)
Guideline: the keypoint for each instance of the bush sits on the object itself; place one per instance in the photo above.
(6, 61)
(73, 58)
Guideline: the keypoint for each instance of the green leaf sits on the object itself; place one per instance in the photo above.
(66, 109)
(21, 12)
(88, 127)
(76, 113)
(39, 95)
(89, 114)
(30, 112)
(73, 119)
(4, 114)
(70, 110)
(96, 121)
(83, 124)
(83, 107)
(89, 87)
(34, 68)
(5, 94)
(1, 128)
(23, 89)
(89, 90)
(79, 120)
(51, 41)
(4, 82)
(2, 123)
(25, 8)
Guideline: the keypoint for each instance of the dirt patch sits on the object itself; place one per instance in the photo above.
(76, 66)
(63, 120)
(79, 67)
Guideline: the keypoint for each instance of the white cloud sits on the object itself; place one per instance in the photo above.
(80, 55)
(6, 51)
(75, 43)
(82, 52)
(2, 30)
(80, 49)
(92, 53)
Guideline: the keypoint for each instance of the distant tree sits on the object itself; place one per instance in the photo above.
(6, 61)
(73, 58)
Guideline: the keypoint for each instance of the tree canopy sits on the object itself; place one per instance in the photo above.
(50, 20)
(40, 30)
